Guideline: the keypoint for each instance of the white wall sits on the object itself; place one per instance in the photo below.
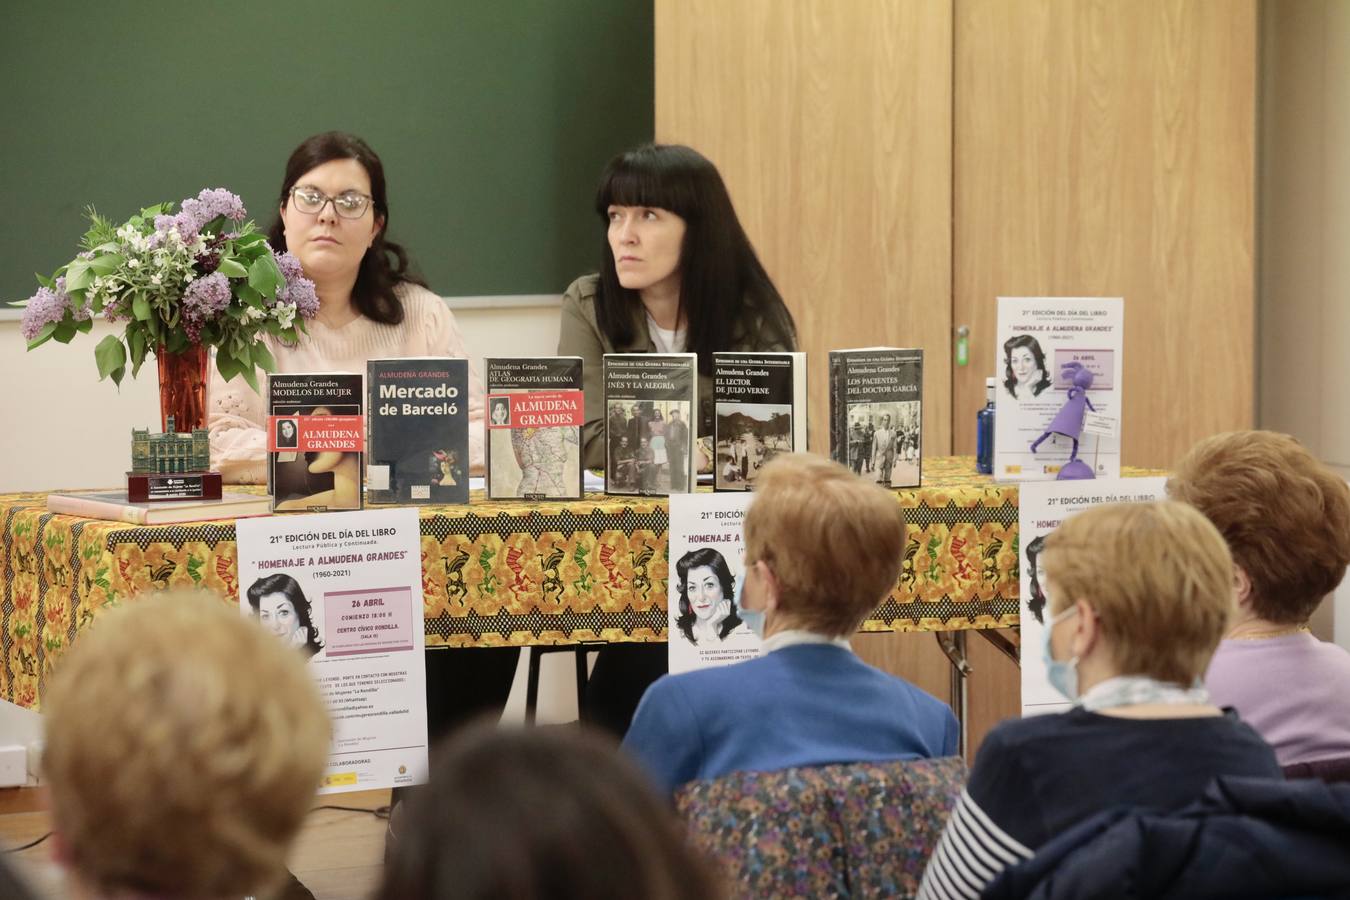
(1304, 224)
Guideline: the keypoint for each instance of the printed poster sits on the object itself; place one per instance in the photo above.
(1043, 506)
(1058, 386)
(345, 590)
(707, 561)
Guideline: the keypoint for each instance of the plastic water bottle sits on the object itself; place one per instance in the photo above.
(984, 431)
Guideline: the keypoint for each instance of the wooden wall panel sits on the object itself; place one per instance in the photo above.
(831, 123)
(1108, 148)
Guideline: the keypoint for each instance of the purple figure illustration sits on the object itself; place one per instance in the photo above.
(1069, 420)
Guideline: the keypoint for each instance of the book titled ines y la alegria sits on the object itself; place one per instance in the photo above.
(760, 406)
(315, 440)
(535, 410)
(419, 430)
(651, 417)
(876, 413)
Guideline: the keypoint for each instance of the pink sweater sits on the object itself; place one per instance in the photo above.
(1294, 690)
(238, 441)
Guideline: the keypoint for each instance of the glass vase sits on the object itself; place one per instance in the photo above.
(182, 388)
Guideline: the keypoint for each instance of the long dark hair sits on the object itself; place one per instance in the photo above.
(1010, 380)
(385, 263)
(722, 283)
(705, 556)
(517, 813)
(281, 583)
(1036, 602)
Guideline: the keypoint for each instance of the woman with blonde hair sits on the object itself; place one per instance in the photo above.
(1138, 596)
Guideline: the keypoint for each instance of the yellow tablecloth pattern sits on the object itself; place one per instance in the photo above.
(493, 573)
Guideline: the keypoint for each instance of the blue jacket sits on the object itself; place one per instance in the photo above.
(803, 705)
(1246, 837)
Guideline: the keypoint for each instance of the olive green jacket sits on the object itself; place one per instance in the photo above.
(579, 335)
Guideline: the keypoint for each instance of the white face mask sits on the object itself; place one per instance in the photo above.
(1063, 676)
(753, 618)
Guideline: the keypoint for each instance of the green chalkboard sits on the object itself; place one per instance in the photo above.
(493, 120)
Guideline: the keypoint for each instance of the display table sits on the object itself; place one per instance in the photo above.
(494, 573)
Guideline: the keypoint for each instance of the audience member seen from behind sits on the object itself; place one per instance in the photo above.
(1138, 596)
(677, 275)
(540, 813)
(1286, 518)
(184, 745)
(822, 549)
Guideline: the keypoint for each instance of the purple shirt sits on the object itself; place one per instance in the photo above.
(1294, 690)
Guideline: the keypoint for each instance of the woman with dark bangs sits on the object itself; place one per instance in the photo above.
(677, 275)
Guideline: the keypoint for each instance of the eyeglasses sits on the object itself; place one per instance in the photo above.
(348, 205)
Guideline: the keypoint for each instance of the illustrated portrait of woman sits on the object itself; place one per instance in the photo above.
(707, 610)
(281, 606)
(1024, 367)
(1036, 603)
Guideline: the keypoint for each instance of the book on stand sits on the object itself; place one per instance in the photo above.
(418, 449)
(535, 410)
(113, 505)
(876, 413)
(651, 409)
(315, 440)
(759, 402)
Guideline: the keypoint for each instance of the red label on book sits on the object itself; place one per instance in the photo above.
(537, 409)
(316, 434)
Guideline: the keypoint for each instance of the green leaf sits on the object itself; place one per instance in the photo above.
(231, 268)
(65, 330)
(111, 357)
(263, 357)
(264, 276)
(248, 240)
(140, 307)
(251, 376)
(245, 356)
(45, 281)
(249, 295)
(226, 364)
(79, 276)
(136, 342)
(84, 326)
(43, 336)
(107, 263)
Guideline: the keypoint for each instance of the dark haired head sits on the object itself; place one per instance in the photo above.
(281, 583)
(705, 556)
(385, 263)
(722, 283)
(1036, 602)
(516, 814)
(1010, 380)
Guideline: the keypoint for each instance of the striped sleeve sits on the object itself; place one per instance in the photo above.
(972, 852)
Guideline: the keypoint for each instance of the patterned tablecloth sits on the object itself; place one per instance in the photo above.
(494, 573)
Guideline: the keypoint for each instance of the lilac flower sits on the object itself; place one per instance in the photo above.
(300, 294)
(210, 203)
(290, 266)
(206, 298)
(44, 307)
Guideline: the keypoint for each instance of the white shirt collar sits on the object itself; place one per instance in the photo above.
(796, 636)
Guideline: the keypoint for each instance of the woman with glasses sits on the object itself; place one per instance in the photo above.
(333, 215)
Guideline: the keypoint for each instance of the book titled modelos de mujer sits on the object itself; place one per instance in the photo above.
(760, 411)
(876, 413)
(535, 410)
(315, 440)
(651, 413)
(419, 430)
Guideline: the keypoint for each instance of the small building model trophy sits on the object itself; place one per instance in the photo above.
(1068, 422)
(171, 466)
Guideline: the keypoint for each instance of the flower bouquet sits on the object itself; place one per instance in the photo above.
(183, 283)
